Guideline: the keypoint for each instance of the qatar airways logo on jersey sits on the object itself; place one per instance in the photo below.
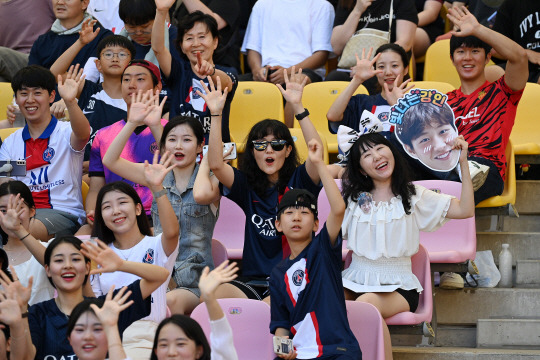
(266, 227)
(471, 118)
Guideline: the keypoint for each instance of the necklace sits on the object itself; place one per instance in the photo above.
(14, 255)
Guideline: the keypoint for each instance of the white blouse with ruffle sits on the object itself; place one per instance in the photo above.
(384, 238)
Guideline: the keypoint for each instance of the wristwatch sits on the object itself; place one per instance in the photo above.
(159, 194)
(302, 115)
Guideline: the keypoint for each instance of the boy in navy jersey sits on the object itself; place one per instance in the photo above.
(307, 298)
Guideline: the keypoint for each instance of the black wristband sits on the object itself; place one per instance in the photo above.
(302, 115)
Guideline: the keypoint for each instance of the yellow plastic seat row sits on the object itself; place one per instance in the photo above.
(6, 97)
(526, 132)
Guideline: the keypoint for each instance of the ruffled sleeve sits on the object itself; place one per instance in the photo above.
(430, 208)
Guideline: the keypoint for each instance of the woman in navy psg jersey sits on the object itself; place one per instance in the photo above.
(269, 168)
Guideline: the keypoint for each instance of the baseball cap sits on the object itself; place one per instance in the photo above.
(298, 197)
(148, 65)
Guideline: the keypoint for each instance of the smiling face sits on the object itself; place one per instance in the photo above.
(297, 223)
(470, 62)
(67, 268)
(269, 160)
(434, 147)
(115, 65)
(199, 39)
(88, 338)
(378, 163)
(135, 78)
(119, 212)
(392, 66)
(34, 103)
(173, 344)
(182, 143)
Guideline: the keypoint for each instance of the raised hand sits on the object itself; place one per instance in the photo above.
(465, 23)
(210, 280)
(107, 260)
(19, 292)
(295, 86)
(10, 311)
(155, 110)
(364, 69)
(87, 33)
(398, 91)
(215, 98)
(461, 144)
(315, 152)
(69, 88)
(155, 173)
(140, 107)
(203, 67)
(10, 220)
(164, 5)
(113, 306)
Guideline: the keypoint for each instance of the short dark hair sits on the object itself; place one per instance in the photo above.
(190, 327)
(68, 239)
(193, 123)
(188, 22)
(392, 47)
(33, 76)
(421, 115)
(80, 309)
(100, 230)
(468, 42)
(14, 187)
(116, 40)
(142, 63)
(137, 12)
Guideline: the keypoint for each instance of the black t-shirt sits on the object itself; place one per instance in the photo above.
(377, 15)
(520, 21)
(227, 53)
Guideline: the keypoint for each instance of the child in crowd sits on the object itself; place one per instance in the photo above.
(198, 37)
(385, 235)
(269, 168)
(183, 137)
(53, 150)
(305, 287)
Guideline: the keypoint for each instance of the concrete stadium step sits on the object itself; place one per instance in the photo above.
(452, 353)
(528, 196)
(505, 333)
(465, 307)
(528, 273)
(523, 245)
(523, 223)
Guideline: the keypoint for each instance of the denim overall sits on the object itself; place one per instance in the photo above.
(196, 228)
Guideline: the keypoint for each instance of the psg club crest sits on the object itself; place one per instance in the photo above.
(48, 154)
(298, 277)
(148, 258)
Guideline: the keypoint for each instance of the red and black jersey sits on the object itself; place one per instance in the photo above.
(485, 119)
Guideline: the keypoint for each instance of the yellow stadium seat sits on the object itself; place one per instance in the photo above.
(6, 97)
(317, 98)
(526, 132)
(4, 133)
(302, 148)
(253, 101)
(509, 193)
(84, 191)
(438, 65)
(437, 85)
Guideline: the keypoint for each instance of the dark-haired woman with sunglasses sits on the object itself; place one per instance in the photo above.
(269, 168)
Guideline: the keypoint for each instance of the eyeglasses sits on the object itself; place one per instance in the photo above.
(109, 55)
(138, 29)
(261, 145)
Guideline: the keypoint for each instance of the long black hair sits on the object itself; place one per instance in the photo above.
(257, 179)
(354, 182)
(191, 328)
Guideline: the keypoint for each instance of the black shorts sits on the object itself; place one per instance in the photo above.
(255, 288)
(411, 296)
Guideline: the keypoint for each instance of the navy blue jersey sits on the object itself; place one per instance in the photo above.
(356, 106)
(100, 110)
(263, 246)
(307, 299)
(184, 84)
(48, 325)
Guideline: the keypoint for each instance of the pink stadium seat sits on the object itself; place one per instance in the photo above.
(324, 210)
(250, 320)
(229, 228)
(420, 268)
(366, 324)
(219, 252)
(455, 242)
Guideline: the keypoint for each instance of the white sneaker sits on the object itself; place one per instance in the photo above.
(451, 281)
(479, 174)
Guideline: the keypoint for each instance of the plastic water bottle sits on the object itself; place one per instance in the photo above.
(19, 118)
(505, 267)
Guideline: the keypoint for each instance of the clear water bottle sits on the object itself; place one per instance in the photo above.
(19, 118)
(505, 267)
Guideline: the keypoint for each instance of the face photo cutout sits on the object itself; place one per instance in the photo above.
(425, 126)
(365, 200)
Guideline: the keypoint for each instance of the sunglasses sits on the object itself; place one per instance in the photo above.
(261, 145)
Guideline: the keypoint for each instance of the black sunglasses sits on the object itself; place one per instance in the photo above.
(261, 145)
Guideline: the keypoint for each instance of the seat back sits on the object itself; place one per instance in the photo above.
(323, 208)
(230, 227)
(301, 146)
(455, 241)
(249, 320)
(4, 133)
(219, 252)
(253, 101)
(6, 97)
(366, 324)
(526, 131)
(318, 97)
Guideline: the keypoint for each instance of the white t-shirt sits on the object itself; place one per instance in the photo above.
(149, 250)
(42, 290)
(106, 12)
(286, 32)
